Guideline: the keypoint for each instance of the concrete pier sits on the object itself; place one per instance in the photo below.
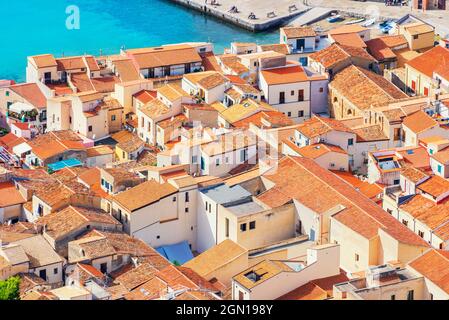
(283, 11)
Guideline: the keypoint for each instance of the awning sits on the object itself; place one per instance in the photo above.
(179, 253)
(21, 149)
(69, 163)
(18, 107)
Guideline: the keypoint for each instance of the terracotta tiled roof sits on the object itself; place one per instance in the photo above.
(126, 70)
(320, 190)
(337, 53)
(364, 88)
(419, 122)
(164, 56)
(31, 93)
(285, 75)
(439, 57)
(349, 39)
(299, 32)
(216, 257)
(315, 151)
(71, 219)
(279, 48)
(144, 195)
(379, 49)
(9, 195)
(44, 61)
(436, 186)
(317, 126)
(413, 174)
(318, 289)
(370, 133)
(434, 265)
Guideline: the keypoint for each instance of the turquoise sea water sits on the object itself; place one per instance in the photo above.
(31, 27)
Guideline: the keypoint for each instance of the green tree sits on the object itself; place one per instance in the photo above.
(9, 289)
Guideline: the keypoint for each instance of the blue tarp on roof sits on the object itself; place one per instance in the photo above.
(69, 163)
(179, 252)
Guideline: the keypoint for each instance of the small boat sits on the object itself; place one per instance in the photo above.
(386, 29)
(334, 18)
(369, 23)
(355, 21)
(384, 24)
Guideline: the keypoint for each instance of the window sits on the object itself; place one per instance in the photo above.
(410, 295)
(281, 97)
(227, 228)
(405, 222)
(7, 93)
(421, 234)
(43, 274)
(104, 268)
(90, 128)
(113, 117)
(357, 257)
(252, 225)
(292, 93)
(416, 36)
(440, 168)
(300, 114)
(194, 159)
(241, 295)
(289, 114)
(158, 237)
(431, 296)
(350, 142)
(186, 210)
(390, 211)
(55, 271)
(393, 297)
(301, 95)
(217, 162)
(243, 227)
(396, 182)
(174, 199)
(187, 199)
(321, 90)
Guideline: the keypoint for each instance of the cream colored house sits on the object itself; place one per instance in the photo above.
(420, 125)
(158, 214)
(221, 262)
(271, 279)
(420, 75)
(329, 210)
(294, 91)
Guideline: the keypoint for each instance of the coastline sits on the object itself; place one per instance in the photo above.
(258, 25)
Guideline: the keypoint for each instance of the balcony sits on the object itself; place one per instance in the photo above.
(396, 194)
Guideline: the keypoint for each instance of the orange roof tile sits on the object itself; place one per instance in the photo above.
(419, 122)
(439, 57)
(434, 265)
(9, 196)
(436, 186)
(31, 93)
(284, 75)
(364, 88)
(320, 190)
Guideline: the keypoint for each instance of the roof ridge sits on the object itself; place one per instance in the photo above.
(354, 204)
(374, 82)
